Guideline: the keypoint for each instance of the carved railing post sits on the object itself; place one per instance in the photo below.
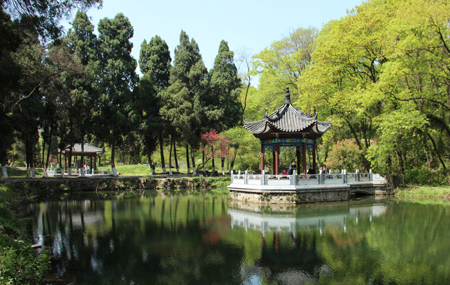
(370, 175)
(246, 177)
(4, 172)
(292, 178)
(321, 177)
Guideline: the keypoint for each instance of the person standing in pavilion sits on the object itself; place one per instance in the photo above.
(292, 168)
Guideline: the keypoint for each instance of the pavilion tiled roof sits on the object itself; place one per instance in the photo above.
(87, 148)
(288, 119)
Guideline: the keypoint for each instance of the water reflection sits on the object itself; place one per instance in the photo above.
(272, 218)
(204, 239)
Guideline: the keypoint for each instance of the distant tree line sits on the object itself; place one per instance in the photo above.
(78, 87)
(382, 74)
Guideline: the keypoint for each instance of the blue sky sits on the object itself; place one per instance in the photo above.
(245, 24)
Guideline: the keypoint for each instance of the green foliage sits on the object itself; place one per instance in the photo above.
(154, 62)
(219, 181)
(281, 65)
(425, 176)
(18, 163)
(184, 100)
(116, 81)
(223, 108)
(18, 265)
(345, 155)
(18, 262)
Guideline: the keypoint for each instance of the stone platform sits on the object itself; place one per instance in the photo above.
(299, 189)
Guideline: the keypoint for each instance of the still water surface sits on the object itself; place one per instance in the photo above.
(205, 239)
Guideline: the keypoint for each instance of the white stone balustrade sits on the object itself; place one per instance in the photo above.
(303, 179)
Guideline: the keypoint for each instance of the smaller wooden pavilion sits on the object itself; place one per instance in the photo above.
(288, 127)
(88, 151)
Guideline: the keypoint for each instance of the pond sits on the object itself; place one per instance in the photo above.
(155, 238)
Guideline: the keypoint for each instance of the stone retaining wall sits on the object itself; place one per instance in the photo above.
(290, 197)
(50, 186)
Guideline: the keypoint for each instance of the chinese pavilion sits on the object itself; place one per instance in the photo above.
(88, 151)
(288, 127)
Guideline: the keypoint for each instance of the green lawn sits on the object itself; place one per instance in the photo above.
(424, 191)
(16, 172)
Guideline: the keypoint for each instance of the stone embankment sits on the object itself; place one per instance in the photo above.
(50, 186)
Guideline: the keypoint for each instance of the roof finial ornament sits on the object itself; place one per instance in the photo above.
(288, 97)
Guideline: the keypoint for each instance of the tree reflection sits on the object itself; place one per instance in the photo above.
(198, 240)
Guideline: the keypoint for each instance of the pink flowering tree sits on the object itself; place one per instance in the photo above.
(214, 145)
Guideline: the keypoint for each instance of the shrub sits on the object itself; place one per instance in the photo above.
(345, 155)
(18, 263)
(425, 176)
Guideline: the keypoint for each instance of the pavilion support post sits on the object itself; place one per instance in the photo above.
(65, 162)
(314, 157)
(262, 158)
(297, 152)
(273, 163)
(91, 165)
(277, 158)
(304, 157)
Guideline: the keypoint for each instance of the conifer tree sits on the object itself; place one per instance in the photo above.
(82, 44)
(223, 108)
(116, 81)
(154, 62)
(183, 102)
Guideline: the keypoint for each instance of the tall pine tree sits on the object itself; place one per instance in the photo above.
(183, 103)
(154, 62)
(223, 108)
(116, 81)
(82, 43)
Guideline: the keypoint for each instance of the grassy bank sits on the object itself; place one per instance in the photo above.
(126, 170)
(18, 262)
(441, 192)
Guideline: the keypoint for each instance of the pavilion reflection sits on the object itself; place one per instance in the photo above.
(315, 217)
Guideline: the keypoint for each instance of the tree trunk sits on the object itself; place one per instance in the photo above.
(49, 145)
(170, 155)
(175, 155)
(233, 158)
(203, 159)
(70, 159)
(212, 161)
(43, 151)
(187, 158)
(113, 165)
(437, 153)
(193, 160)
(150, 163)
(161, 149)
(223, 163)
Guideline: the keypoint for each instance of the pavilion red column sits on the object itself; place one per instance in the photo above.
(273, 163)
(65, 162)
(298, 160)
(314, 156)
(277, 157)
(304, 157)
(91, 164)
(262, 158)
